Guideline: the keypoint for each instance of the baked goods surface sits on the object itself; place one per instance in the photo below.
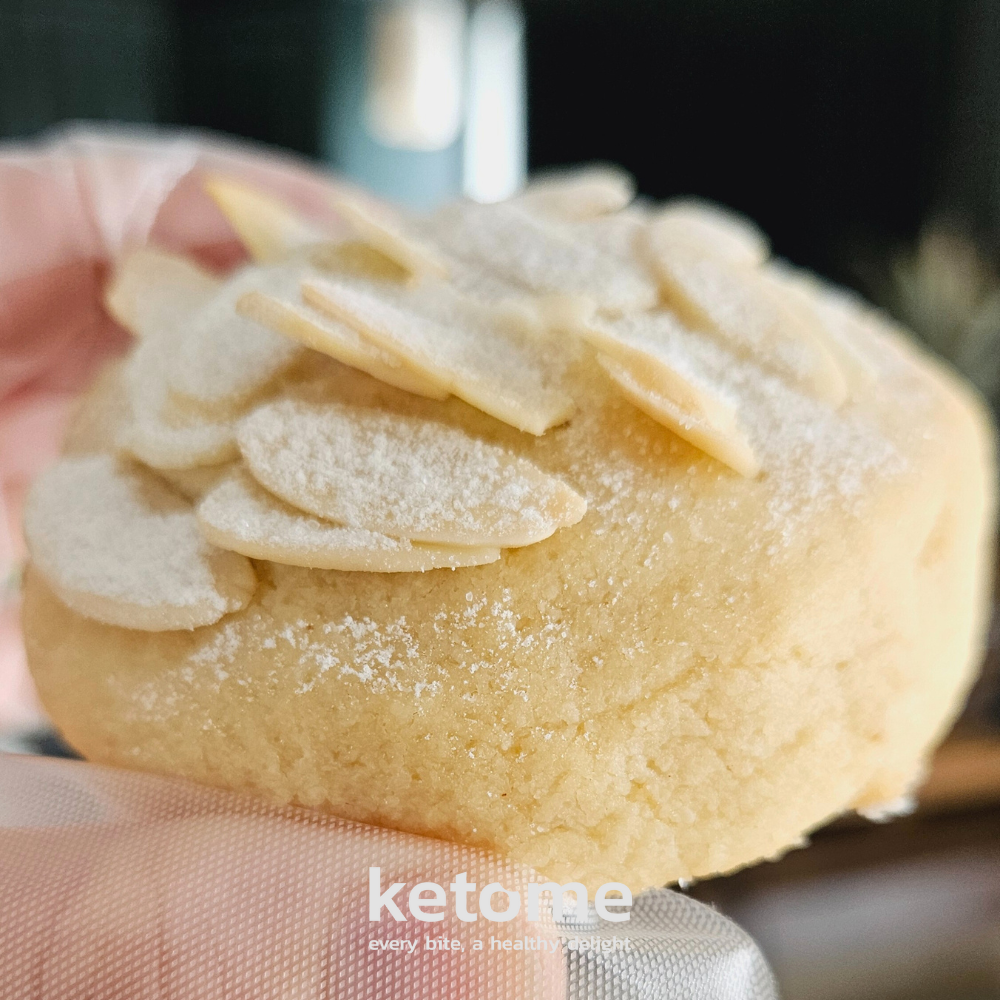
(570, 527)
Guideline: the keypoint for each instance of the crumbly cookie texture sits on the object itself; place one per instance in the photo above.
(705, 657)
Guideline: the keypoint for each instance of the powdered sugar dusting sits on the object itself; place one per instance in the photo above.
(471, 349)
(222, 358)
(404, 477)
(736, 305)
(156, 435)
(733, 363)
(239, 515)
(545, 256)
(117, 544)
(672, 373)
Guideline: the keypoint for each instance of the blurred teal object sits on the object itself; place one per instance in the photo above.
(418, 100)
(419, 178)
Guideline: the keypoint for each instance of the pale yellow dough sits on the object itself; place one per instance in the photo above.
(697, 673)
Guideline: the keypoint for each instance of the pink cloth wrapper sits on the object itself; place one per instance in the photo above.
(69, 206)
(122, 886)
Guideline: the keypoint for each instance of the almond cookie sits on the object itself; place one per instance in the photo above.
(693, 558)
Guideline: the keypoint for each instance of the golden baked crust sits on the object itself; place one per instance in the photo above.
(689, 679)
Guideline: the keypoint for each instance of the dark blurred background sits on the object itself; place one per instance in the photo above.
(836, 125)
(863, 135)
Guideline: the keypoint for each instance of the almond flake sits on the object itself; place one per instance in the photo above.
(583, 193)
(221, 361)
(240, 515)
(844, 320)
(718, 437)
(118, 546)
(480, 354)
(544, 256)
(156, 430)
(402, 476)
(359, 259)
(270, 229)
(683, 374)
(363, 261)
(152, 291)
(329, 336)
(387, 231)
(706, 230)
(756, 322)
(162, 445)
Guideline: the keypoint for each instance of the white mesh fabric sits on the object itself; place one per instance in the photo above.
(122, 886)
(677, 947)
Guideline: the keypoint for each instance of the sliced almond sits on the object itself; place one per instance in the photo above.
(362, 261)
(118, 546)
(152, 291)
(707, 230)
(358, 259)
(402, 476)
(270, 229)
(386, 230)
(714, 434)
(477, 353)
(484, 286)
(156, 432)
(842, 317)
(677, 362)
(575, 195)
(679, 377)
(162, 446)
(240, 515)
(222, 360)
(544, 256)
(621, 234)
(565, 313)
(740, 307)
(329, 336)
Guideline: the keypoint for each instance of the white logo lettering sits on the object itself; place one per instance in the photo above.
(377, 899)
(417, 904)
(427, 901)
(601, 902)
(461, 887)
(486, 905)
(558, 899)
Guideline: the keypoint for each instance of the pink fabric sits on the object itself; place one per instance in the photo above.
(70, 205)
